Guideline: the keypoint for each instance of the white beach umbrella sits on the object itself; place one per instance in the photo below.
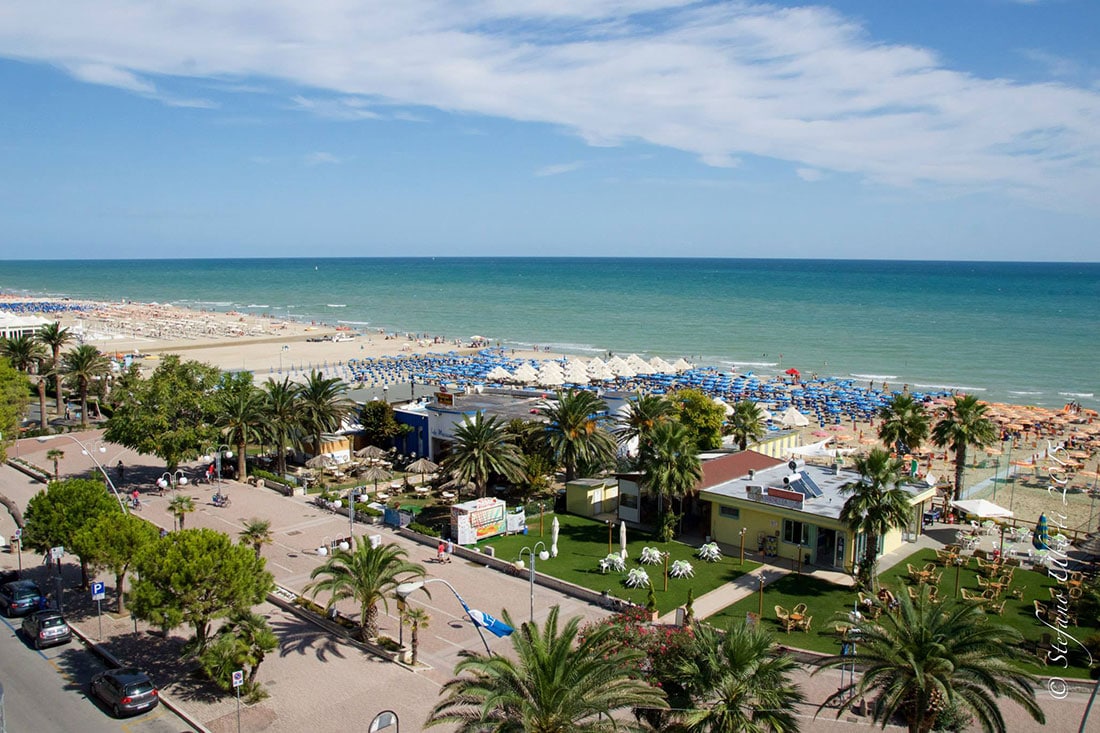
(725, 405)
(622, 538)
(525, 373)
(681, 365)
(624, 370)
(499, 373)
(554, 529)
(550, 374)
(616, 363)
(598, 371)
(576, 373)
(638, 364)
(660, 366)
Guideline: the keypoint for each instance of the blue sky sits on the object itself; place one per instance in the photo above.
(913, 129)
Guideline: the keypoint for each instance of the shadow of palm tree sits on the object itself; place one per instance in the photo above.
(300, 637)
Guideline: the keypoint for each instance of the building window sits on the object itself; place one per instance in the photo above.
(729, 512)
(796, 533)
(628, 501)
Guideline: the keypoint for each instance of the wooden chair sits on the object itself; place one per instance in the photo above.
(805, 623)
(983, 583)
(997, 608)
(914, 592)
(933, 593)
(800, 609)
(1042, 612)
(969, 595)
(1018, 592)
(784, 618)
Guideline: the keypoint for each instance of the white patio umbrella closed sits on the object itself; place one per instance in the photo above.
(622, 538)
(554, 529)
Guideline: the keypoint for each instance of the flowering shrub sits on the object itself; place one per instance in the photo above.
(681, 569)
(637, 578)
(710, 552)
(650, 556)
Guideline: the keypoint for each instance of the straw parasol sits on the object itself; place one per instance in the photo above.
(322, 461)
(371, 453)
(422, 466)
(375, 473)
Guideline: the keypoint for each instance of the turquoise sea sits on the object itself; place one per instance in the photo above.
(1018, 332)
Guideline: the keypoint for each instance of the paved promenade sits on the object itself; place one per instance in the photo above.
(317, 681)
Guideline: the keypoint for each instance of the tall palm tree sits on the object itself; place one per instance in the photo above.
(415, 618)
(738, 681)
(923, 657)
(54, 336)
(44, 371)
(575, 433)
(24, 352)
(642, 416)
(281, 414)
(481, 449)
(84, 363)
(905, 423)
(180, 506)
(555, 682)
(746, 423)
(256, 532)
(669, 461)
(240, 416)
(962, 424)
(322, 406)
(877, 504)
(366, 574)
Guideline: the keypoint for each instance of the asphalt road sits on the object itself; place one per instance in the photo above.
(45, 691)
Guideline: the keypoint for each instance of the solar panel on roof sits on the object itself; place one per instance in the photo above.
(812, 490)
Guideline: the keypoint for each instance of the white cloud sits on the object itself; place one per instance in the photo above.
(721, 81)
(558, 169)
(809, 175)
(322, 158)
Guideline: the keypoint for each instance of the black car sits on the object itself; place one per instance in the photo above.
(20, 597)
(44, 628)
(125, 691)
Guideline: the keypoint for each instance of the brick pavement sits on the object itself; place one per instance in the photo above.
(319, 682)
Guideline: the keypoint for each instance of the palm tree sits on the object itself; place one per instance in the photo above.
(642, 415)
(84, 363)
(746, 423)
(962, 424)
(905, 423)
(55, 455)
(23, 352)
(922, 658)
(575, 433)
(180, 506)
(738, 681)
(240, 416)
(255, 637)
(877, 504)
(481, 449)
(415, 618)
(554, 682)
(281, 414)
(669, 462)
(322, 406)
(44, 371)
(366, 574)
(256, 532)
(54, 336)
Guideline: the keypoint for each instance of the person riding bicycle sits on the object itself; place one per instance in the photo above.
(135, 500)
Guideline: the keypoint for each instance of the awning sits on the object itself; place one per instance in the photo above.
(982, 508)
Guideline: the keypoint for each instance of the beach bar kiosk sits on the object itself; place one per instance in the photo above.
(479, 519)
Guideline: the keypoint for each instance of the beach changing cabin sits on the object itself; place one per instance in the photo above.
(479, 519)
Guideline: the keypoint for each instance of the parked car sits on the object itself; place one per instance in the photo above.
(44, 628)
(20, 597)
(125, 691)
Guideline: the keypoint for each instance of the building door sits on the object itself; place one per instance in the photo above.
(826, 547)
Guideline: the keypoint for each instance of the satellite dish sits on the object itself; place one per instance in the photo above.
(793, 465)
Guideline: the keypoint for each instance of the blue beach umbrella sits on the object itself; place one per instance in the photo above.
(1041, 538)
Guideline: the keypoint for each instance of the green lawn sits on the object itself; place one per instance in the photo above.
(829, 604)
(582, 543)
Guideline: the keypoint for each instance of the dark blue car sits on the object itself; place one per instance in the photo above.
(20, 597)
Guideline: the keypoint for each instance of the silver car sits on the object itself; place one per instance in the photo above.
(45, 628)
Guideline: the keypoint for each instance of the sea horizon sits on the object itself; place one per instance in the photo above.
(1007, 331)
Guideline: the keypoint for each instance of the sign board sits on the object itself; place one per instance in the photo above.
(56, 553)
(18, 533)
(472, 521)
(98, 592)
(238, 678)
(445, 398)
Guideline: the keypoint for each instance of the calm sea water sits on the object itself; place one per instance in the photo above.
(1019, 332)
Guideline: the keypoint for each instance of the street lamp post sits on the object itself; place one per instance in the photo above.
(172, 480)
(544, 555)
(743, 530)
(477, 618)
(217, 458)
(353, 495)
(88, 452)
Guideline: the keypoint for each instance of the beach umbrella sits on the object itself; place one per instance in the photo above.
(375, 473)
(1041, 538)
(422, 466)
(371, 452)
(322, 461)
(622, 537)
(681, 365)
(554, 529)
(660, 366)
(525, 373)
(499, 373)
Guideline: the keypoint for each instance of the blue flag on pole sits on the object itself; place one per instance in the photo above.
(490, 623)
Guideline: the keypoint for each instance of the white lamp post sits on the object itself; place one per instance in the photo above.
(88, 452)
(544, 555)
(217, 458)
(173, 480)
(477, 618)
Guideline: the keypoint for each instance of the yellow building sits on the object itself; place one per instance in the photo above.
(590, 497)
(789, 507)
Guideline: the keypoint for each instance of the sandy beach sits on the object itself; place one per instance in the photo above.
(270, 348)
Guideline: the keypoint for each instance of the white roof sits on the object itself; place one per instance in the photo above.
(982, 508)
